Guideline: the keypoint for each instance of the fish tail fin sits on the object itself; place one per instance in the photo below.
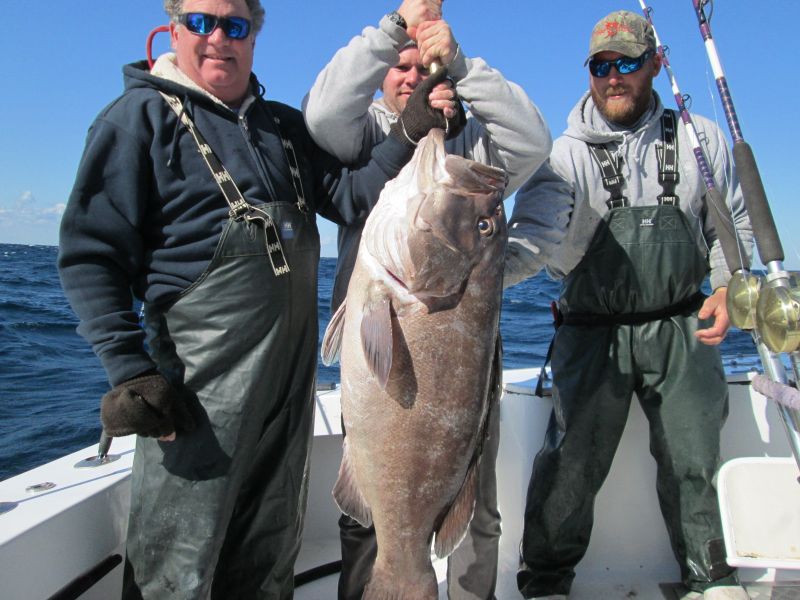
(385, 585)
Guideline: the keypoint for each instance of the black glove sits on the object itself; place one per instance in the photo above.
(146, 405)
(418, 118)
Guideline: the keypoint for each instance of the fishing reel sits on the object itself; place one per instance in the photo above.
(743, 290)
(771, 306)
(778, 312)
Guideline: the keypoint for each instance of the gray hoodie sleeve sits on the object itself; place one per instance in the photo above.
(507, 130)
(337, 108)
(504, 128)
(542, 209)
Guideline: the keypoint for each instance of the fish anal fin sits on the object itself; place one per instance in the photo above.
(346, 493)
(332, 340)
(376, 336)
(456, 520)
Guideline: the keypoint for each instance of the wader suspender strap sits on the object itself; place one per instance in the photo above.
(667, 153)
(668, 175)
(612, 178)
(239, 207)
(294, 168)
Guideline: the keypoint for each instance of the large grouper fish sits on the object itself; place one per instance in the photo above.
(417, 336)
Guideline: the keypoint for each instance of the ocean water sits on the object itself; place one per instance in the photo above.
(51, 382)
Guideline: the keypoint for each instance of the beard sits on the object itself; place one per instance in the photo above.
(625, 110)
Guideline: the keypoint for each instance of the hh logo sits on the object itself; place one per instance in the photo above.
(647, 222)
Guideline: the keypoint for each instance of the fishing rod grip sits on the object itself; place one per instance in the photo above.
(755, 199)
(732, 248)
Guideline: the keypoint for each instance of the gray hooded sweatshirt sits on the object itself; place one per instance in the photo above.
(557, 211)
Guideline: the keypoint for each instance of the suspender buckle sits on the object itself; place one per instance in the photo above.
(274, 248)
(668, 199)
(618, 202)
(238, 209)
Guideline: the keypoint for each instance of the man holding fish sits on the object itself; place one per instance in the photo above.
(504, 129)
(198, 197)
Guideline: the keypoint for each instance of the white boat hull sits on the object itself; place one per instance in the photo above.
(50, 538)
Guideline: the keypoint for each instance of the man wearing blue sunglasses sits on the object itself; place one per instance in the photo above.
(197, 198)
(617, 215)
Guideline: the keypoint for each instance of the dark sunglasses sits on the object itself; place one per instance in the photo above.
(624, 65)
(236, 28)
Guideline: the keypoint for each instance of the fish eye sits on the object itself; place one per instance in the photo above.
(485, 227)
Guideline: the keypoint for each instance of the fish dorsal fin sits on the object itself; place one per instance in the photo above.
(456, 521)
(376, 335)
(346, 493)
(332, 340)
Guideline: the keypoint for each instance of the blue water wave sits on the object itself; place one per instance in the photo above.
(51, 382)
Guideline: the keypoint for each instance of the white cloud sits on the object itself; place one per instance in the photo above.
(25, 199)
(24, 221)
(25, 210)
(56, 209)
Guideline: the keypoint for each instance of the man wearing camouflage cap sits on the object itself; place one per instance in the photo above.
(617, 215)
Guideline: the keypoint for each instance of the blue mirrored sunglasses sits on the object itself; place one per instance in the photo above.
(236, 28)
(624, 64)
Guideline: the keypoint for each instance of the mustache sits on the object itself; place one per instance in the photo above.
(615, 91)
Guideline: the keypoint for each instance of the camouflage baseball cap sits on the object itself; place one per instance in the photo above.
(624, 32)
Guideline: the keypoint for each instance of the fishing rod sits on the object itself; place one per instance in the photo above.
(732, 248)
(778, 309)
(742, 304)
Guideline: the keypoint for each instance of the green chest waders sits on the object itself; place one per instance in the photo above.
(630, 312)
(218, 512)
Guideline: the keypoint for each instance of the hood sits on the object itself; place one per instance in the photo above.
(585, 123)
(380, 105)
(166, 77)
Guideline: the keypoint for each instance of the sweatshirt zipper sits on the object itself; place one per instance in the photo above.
(262, 168)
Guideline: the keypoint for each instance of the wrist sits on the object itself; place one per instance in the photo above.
(398, 19)
(399, 37)
(398, 129)
(457, 67)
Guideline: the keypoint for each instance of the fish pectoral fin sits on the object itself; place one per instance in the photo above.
(332, 340)
(455, 523)
(376, 336)
(346, 493)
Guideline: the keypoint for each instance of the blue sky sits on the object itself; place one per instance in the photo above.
(64, 59)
